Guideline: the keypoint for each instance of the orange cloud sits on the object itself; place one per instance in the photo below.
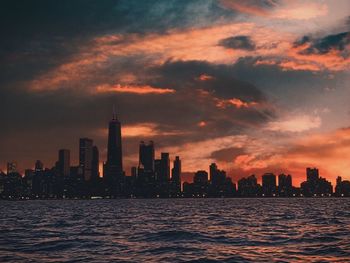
(298, 123)
(290, 10)
(142, 130)
(234, 102)
(247, 7)
(141, 90)
(205, 77)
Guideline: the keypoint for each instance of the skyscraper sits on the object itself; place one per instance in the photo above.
(285, 187)
(176, 171)
(312, 174)
(113, 168)
(39, 166)
(176, 175)
(146, 156)
(64, 162)
(269, 184)
(95, 163)
(11, 167)
(85, 157)
(164, 167)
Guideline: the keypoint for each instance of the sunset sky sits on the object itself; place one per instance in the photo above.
(255, 86)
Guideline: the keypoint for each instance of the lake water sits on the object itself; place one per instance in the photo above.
(176, 230)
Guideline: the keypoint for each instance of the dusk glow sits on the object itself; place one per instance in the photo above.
(175, 131)
(269, 79)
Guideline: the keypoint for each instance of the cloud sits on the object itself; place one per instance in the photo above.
(339, 42)
(227, 154)
(297, 123)
(146, 89)
(282, 9)
(252, 7)
(238, 42)
(236, 103)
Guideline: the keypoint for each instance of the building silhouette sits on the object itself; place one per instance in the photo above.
(249, 187)
(342, 188)
(269, 187)
(64, 162)
(85, 157)
(151, 178)
(113, 174)
(11, 167)
(164, 168)
(285, 186)
(113, 168)
(315, 185)
(95, 173)
(176, 177)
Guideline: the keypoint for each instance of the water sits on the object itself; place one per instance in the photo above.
(176, 230)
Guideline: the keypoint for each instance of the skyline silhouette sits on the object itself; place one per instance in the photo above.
(152, 177)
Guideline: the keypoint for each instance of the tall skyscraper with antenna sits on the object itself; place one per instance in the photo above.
(113, 168)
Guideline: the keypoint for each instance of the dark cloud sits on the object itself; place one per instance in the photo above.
(324, 45)
(227, 154)
(238, 42)
(39, 35)
(53, 119)
(180, 74)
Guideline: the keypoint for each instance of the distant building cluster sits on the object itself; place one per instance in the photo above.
(152, 178)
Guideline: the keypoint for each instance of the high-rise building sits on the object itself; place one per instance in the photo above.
(285, 187)
(312, 174)
(217, 176)
(39, 166)
(269, 184)
(95, 174)
(11, 167)
(146, 156)
(200, 177)
(164, 167)
(176, 171)
(176, 177)
(113, 168)
(85, 157)
(64, 162)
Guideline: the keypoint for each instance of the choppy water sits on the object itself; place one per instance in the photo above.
(176, 230)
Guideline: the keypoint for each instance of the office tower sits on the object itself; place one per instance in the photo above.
(157, 169)
(315, 185)
(39, 166)
(164, 175)
(342, 188)
(217, 177)
(176, 171)
(95, 174)
(200, 177)
(146, 156)
(64, 162)
(11, 167)
(269, 184)
(113, 168)
(312, 174)
(85, 157)
(285, 187)
(212, 170)
(248, 186)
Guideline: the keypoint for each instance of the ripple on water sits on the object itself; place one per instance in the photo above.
(176, 230)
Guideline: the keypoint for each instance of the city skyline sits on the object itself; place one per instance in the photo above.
(111, 170)
(151, 178)
(254, 86)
